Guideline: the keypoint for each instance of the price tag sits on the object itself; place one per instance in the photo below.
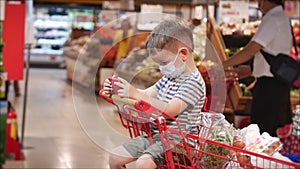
(234, 11)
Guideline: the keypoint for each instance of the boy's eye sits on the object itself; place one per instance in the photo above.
(163, 63)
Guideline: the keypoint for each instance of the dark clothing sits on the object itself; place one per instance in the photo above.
(271, 105)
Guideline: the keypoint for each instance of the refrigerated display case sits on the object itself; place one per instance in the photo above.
(51, 33)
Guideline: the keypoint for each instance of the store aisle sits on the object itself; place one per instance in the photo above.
(54, 137)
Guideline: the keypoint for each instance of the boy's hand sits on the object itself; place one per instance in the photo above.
(107, 86)
(126, 89)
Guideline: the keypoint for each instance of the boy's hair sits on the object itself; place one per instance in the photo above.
(172, 33)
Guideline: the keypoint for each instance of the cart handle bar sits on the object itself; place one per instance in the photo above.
(105, 96)
(137, 104)
(112, 98)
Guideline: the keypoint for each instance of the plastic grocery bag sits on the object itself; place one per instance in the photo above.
(264, 163)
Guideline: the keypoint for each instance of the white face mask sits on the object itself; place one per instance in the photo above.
(170, 70)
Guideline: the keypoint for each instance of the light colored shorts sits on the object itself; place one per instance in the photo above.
(141, 145)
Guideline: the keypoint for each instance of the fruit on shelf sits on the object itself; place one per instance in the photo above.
(197, 57)
(247, 93)
(296, 30)
(230, 52)
(253, 32)
(297, 39)
(293, 53)
(244, 90)
(284, 131)
(295, 93)
(235, 28)
(242, 87)
(204, 66)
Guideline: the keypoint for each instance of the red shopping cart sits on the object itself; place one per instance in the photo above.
(199, 152)
(139, 117)
(183, 150)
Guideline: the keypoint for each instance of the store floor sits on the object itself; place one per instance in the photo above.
(57, 136)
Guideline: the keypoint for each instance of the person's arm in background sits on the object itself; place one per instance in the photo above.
(244, 55)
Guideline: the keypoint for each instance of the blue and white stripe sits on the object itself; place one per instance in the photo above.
(189, 88)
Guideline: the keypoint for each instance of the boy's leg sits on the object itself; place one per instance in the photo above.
(128, 152)
(119, 157)
(146, 161)
(153, 156)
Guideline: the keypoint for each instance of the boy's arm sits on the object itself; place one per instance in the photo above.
(173, 108)
(150, 91)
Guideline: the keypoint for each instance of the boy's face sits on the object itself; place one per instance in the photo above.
(164, 57)
(170, 64)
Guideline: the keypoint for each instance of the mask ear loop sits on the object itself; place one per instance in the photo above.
(175, 58)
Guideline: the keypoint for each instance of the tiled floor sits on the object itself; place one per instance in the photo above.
(65, 127)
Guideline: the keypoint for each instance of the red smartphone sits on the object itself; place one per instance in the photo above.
(114, 87)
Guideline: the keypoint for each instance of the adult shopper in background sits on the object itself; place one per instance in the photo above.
(271, 108)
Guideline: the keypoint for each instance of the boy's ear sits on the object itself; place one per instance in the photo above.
(184, 53)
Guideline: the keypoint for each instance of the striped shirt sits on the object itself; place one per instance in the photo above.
(189, 88)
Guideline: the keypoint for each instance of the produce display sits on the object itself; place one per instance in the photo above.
(138, 67)
(292, 143)
(244, 89)
(247, 28)
(296, 121)
(72, 47)
(89, 52)
(296, 31)
(199, 37)
(295, 93)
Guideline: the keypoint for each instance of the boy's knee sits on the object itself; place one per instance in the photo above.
(145, 161)
(119, 157)
(114, 160)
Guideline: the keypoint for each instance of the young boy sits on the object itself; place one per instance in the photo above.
(179, 93)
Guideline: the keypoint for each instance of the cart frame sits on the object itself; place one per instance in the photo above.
(183, 150)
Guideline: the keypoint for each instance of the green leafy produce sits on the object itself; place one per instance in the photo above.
(247, 93)
(242, 87)
(218, 134)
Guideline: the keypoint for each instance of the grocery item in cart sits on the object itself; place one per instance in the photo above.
(268, 145)
(263, 143)
(221, 131)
